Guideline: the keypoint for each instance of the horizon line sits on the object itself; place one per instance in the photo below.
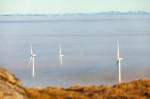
(80, 12)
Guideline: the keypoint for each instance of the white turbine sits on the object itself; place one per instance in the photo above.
(32, 59)
(60, 55)
(119, 62)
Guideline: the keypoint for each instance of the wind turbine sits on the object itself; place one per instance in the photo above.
(60, 55)
(32, 59)
(81, 52)
(119, 62)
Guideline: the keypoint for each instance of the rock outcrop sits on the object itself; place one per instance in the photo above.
(11, 88)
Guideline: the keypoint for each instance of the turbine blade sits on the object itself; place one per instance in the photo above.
(59, 57)
(30, 62)
(81, 52)
(116, 63)
(59, 49)
(118, 49)
(31, 47)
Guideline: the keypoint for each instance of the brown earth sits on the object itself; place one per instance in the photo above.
(11, 88)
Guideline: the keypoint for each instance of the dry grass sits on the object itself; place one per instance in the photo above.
(138, 89)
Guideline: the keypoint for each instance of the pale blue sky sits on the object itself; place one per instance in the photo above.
(71, 6)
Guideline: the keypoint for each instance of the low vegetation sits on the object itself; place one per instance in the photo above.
(137, 89)
(11, 88)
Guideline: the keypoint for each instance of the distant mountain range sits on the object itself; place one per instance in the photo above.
(85, 14)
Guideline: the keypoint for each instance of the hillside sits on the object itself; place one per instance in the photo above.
(11, 88)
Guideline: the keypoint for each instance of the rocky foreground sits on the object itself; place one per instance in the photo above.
(11, 88)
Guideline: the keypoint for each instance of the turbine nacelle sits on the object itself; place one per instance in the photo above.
(33, 55)
(119, 59)
(61, 55)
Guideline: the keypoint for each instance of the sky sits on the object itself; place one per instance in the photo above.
(71, 6)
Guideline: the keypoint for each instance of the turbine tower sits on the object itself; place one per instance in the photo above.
(32, 59)
(119, 62)
(60, 55)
